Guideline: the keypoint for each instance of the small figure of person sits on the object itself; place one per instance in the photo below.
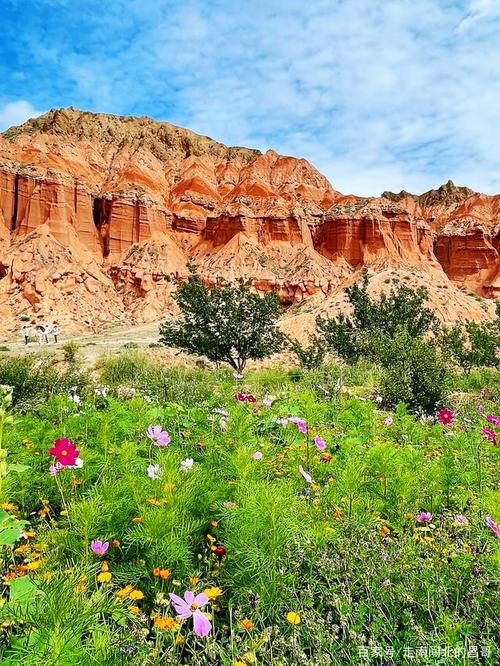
(47, 331)
(55, 331)
(40, 331)
(26, 334)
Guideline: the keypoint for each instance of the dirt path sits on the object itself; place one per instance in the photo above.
(93, 346)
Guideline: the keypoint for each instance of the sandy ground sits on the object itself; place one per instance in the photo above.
(92, 346)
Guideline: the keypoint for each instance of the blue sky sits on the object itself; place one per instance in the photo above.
(378, 94)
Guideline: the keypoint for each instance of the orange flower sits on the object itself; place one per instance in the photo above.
(125, 591)
(166, 623)
(115, 543)
(384, 531)
(164, 574)
(247, 624)
(137, 519)
(213, 523)
(156, 571)
(43, 512)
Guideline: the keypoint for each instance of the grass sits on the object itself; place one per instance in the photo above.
(345, 553)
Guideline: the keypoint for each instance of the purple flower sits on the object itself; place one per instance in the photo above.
(424, 517)
(300, 423)
(460, 521)
(493, 526)
(282, 421)
(237, 375)
(99, 547)
(308, 478)
(388, 421)
(319, 443)
(489, 435)
(495, 420)
(55, 468)
(257, 455)
(190, 607)
(158, 436)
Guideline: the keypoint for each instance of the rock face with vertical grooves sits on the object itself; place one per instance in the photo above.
(100, 215)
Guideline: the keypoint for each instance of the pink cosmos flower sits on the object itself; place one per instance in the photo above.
(65, 452)
(460, 521)
(55, 468)
(282, 421)
(388, 421)
(493, 526)
(158, 436)
(300, 423)
(495, 420)
(257, 455)
(445, 416)
(190, 607)
(267, 401)
(319, 443)
(489, 435)
(237, 375)
(424, 517)
(99, 547)
(307, 477)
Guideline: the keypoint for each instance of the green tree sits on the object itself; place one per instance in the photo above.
(473, 344)
(374, 323)
(224, 322)
(310, 356)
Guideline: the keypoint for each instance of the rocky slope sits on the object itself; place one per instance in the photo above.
(100, 214)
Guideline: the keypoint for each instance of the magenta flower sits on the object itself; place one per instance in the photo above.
(445, 416)
(493, 526)
(190, 607)
(460, 521)
(495, 420)
(65, 452)
(158, 436)
(257, 455)
(99, 547)
(308, 478)
(489, 435)
(424, 517)
(300, 423)
(319, 443)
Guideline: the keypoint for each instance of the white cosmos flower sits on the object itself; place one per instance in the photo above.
(155, 472)
(186, 465)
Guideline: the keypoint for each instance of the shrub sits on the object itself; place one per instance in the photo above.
(310, 356)
(34, 378)
(414, 373)
(70, 352)
(224, 322)
(473, 345)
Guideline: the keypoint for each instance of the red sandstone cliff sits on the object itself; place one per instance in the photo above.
(100, 214)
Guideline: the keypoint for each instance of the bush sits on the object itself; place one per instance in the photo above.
(35, 378)
(70, 352)
(414, 373)
(473, 345)
(311, 356)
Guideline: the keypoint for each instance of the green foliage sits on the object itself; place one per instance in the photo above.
(372, 323)
(224, 323)
(36, 377)
(473, 345)
(310, 356)
(346, 552)
(70, 351)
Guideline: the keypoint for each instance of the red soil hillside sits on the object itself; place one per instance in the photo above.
(100, 214)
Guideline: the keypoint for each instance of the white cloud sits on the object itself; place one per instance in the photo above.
(16, 113)
(478, 10)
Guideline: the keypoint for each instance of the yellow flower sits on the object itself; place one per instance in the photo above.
(63, 513)
(137, 519)
(135, 595)
(210, 538)
(213, 523)
(104, 566)
(194, 580)
(135, 609)
(168, 487)
(104, 577)
(213, 592)
(33, 565)
(238, 662)
(8, 506)
(79, 587)
(125, 591)
(179, 640)
(22, 549)
(293, 617)
(30, 534)
(176, 582)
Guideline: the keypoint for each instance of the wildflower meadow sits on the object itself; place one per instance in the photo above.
(188, 517)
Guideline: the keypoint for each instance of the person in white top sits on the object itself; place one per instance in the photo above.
(48, 329)
(26, 333)
(39, 334)
(55, 330)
